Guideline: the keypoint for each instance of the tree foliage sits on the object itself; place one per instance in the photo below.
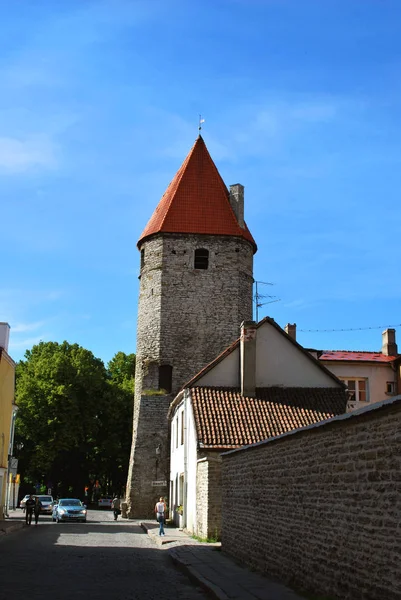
(74, 418)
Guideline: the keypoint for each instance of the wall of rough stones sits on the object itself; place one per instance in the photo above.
(201, 310)
(150, 431)
(320, 509)
(186, 317)
(208, 496)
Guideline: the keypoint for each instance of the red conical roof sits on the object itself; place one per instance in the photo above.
(196, 201)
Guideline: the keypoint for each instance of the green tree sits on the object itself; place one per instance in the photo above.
(74, 418)
(121, 369)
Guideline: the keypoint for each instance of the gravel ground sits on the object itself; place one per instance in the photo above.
(98, 560)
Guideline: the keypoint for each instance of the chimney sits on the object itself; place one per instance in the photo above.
(4, 336)
(248, 358)
(389, 347)
(291, 330)
(237, 202)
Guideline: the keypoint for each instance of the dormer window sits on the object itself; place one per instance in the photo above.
(201, 258)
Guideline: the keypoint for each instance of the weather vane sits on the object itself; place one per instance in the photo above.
(200, 122)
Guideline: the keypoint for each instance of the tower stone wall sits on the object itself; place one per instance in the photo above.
(186, 317)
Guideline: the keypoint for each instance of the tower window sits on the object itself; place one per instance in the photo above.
(142, 258)
(165, 377)
(201, 258)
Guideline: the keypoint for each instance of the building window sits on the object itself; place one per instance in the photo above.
(358, 389)
(201, 258)
(165, 378)
(142, 258)
(177, 429)
(390, 387)
(172, 437)
(182, 427)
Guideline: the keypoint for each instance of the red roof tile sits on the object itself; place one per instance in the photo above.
(196, 201)
(354, 355)
(225, 419)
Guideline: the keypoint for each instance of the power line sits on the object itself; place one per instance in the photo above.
(350, 329)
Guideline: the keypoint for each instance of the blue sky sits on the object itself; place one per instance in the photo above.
(99, 107)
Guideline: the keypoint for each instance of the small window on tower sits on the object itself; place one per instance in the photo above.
(201, 258)
(165, 377)
(142, 258)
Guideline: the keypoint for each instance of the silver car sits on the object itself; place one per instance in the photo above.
(47, 504)
(69, 509)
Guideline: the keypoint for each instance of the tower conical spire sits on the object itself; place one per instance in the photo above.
(197, 201)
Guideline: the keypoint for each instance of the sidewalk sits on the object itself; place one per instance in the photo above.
(207, 566)
(13, 523)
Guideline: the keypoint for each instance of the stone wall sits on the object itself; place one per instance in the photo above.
(208, 496)
(201, 310)
(186, 317)
(150, 431)
(202, 487)
(320, 509)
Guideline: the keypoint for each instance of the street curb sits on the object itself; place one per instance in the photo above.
(212, 589)
(11, 528)
(159, 541)
(193, 575)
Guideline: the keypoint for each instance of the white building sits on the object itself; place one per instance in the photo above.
(263, 385)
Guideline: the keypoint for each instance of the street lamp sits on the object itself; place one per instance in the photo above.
(158, 450)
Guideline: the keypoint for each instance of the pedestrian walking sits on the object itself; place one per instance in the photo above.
(29, 506)
(160, 511)
(37, 509)
(116, 507)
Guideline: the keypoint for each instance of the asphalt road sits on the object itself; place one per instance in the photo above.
(97, 560)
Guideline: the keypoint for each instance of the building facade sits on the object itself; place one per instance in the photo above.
(8, 412)
(262, 386)
(369, 376)
(196, 282)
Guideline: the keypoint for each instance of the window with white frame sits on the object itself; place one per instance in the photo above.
(358, 389)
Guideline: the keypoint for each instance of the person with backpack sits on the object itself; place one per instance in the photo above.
(160, 511)
(29, 506)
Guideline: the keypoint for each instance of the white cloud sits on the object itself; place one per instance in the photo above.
(19, 155)
(24, 327)
(26, 343)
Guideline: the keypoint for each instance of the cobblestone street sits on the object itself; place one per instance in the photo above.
(98, 560)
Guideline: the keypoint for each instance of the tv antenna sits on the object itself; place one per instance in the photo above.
(258, 297)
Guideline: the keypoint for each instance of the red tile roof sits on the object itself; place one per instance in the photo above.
(196, 201)
(354, 355)
(225, 419)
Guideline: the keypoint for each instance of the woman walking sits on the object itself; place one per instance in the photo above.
(160, 510)
(36, 509)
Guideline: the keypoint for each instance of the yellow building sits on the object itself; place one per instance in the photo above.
(8, 412)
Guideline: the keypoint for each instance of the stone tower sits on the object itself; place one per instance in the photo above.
(196, 281)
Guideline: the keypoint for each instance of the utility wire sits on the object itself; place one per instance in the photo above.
(351, 329)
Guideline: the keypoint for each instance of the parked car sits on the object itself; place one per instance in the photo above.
(105, 502)
(69, 509)
(22, 503)
(47, 504)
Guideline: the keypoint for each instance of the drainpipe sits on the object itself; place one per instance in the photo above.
(184, 500)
